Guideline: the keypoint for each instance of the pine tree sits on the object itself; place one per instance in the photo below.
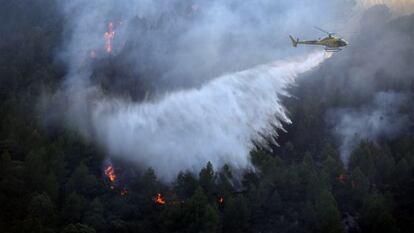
(376, 216)
(73, 208)
(82, 182)
(207, 179)
(198, 215)
(35, 170)
(236, 215)
(94, 215)
(327, 214)
(401, 172)
(359, 186)
(52, 186)
(42, 209)
(185, 185)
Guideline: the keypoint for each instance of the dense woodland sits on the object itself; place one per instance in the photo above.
(52, 181)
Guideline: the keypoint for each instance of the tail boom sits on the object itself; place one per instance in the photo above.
(294, 42)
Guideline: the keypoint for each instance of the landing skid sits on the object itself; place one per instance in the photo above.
(332, 49)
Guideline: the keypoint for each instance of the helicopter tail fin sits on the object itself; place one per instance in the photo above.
(294, 42)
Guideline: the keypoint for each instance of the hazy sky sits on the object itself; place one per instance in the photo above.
(397, 6)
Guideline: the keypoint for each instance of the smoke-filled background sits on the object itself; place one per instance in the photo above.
(184, 44)
(363, 93)
(111, 110)
(383, 119)
(171, 92)
(193, 103)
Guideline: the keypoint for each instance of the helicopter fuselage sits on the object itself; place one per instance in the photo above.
(330, 42)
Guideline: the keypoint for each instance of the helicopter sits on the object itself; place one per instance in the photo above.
(332, 43)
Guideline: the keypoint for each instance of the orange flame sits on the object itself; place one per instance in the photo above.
(220, 200)
(109, 36)
(124, 192)
(110, 173)
(159, 199)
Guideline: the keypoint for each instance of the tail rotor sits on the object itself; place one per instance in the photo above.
(294, 42)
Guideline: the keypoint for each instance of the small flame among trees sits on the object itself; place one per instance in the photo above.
(159, 199)
(109, 36)
(110, 173)
(124, 192)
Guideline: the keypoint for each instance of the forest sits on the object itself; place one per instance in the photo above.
(51, 180)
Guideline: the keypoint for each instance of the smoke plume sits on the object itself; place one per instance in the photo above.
(365, 90)
(381, 119)
(215, 123)
(192, 56)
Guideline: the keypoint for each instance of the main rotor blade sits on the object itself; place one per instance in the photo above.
(329, 33)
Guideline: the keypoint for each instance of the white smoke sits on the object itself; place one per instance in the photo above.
(187, 43)
(381, 119)
(213, 119)
(398, 7)
(216, 123)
